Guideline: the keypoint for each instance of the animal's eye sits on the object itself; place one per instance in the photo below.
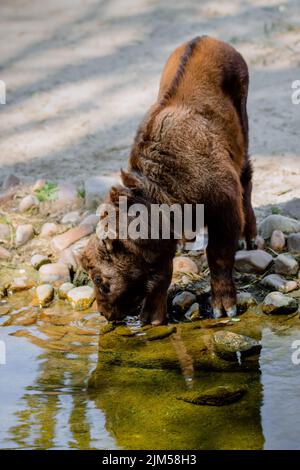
(98, 281)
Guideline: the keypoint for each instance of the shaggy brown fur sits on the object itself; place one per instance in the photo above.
(192, 147)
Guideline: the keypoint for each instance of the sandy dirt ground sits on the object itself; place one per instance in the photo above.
(81, 73)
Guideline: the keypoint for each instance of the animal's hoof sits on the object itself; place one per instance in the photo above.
(217, 312)
(242, 245)
(231, 312)
(252, 245)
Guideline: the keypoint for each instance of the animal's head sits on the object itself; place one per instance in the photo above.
(118, 275)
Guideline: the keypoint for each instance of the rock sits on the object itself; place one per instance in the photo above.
(217, 396)
(245, 300)
(28, 202)
(81, 297)
(24, 233)
(230, 345)
(183, 264)
(48, 230)
(71, 218)
(293, 242)
(4, 232)
(286, 264)
(44, 294)
(66, 195)
(291, 285)
(277, 303)
(252, 261)
(10, 181)
(55, 273)
(183, 301)
(96, 189)
(60, 242)
(91, 219)
(21, 283)
(4, 253)
(292, 208)
(68, 257)
(277, 222)
(39, 184)
(193, 312)
(260, 242)
(277, 241)
(64, 289)
(38, 260)
(274, 281)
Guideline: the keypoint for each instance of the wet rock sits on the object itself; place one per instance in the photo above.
(48, 230)
(96, 189)
(24, 233)
(21, 283)
(183, 301)
(81, 297)
(68, 257)
(292, 208)
(277, 241)
(4, 232)
(38, 260)
(4, 253)
(252, 261)
(217, 396)
(286, 264)
(277, 282)
(245, 300)
(233, 346)
(64, 289)
(183, 264)
(293, 242)
(277, 222)
(28, 202)
(55, 273)
(193, 313)
(44, 294)
(10, 181)
(277, 303)
(60, 242)
(71, 218)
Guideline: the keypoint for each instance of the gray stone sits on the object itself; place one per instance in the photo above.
(245, 300)
(183, 301)
(44, 294)
(293, 242)
(286, 264)
(278, 303)
(277, 222)
(28, 202)
(71, 218)
(38, 260)
(252, 261)
(24, 233)
(55, 273)
(21, 283)
(96, 189)
(292, 208)
(193, 313)
(277, 241)
(4, 232)
(81, 297)
(91, 219)
(274, 281)
(48, 230)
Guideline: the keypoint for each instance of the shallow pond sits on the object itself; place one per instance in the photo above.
(57, 393)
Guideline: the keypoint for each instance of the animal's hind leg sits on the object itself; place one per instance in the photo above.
(250, 220)
(225, 224)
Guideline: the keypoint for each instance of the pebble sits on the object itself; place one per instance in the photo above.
(277, 222)
(277, 241)
(48, 230)
(183, 264)
(293, 242)
(278, 303)
(96, 189)
(277, 282)
(286, 264)
(60, 242)
(81, 297)
(44, 294)
(252, 261)
(193, 313)
(71, 218)
(54, 273)
(4, 232)
(245, 300)
(183, 301)
(21, 283)
(4, 253)
(24, 233)
(38, 260)
(64, 289)
(28, 202)
(91, 219)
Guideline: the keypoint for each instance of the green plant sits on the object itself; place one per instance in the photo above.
(48, 192)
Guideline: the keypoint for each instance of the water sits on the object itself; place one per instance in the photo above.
(46, 401)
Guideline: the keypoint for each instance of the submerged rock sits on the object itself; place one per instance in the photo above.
(217, 396)
(277, 303)
(81, 297)
(252, 261)
(277, 222)
(286, 264)
(183, 301)
(64, 288)
(55, 273)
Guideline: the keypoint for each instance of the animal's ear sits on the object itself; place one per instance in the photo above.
(129, 179)
(112, 246)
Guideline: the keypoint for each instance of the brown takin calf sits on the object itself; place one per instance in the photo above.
(192, 147)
